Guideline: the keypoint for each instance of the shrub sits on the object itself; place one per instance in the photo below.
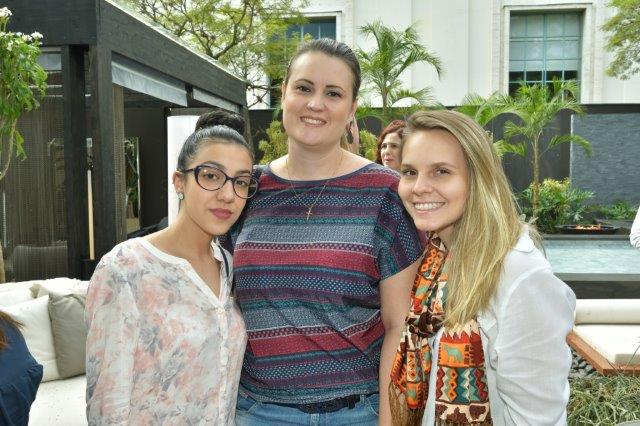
(368, 145)
(620, 210)
(559, 204)
(604, 400)
(276, 146)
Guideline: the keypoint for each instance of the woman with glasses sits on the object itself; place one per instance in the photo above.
(166, 339)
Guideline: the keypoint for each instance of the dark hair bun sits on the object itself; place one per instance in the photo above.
(221, 118)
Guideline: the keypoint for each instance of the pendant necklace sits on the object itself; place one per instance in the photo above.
(297, 195)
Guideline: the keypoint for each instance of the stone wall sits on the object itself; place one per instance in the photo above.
(613, 172)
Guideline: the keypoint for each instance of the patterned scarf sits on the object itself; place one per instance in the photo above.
(461, 388)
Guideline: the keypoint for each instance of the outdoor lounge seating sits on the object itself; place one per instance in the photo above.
(52, 312)
(607, 334)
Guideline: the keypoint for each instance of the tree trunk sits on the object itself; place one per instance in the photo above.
(535, 199)
(2, 275)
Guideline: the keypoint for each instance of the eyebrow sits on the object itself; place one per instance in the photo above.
(332, 86)
(223, 168)
(431, 165)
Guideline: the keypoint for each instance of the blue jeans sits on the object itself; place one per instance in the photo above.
(250, 412)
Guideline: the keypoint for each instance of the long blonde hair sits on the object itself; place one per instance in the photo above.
(490, 224)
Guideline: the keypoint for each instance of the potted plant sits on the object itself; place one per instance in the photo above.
(19, 72)
(558, 204)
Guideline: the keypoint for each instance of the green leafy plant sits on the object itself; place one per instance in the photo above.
(382, 67)
(536, 106)
(604, 400)
(19, 71)
(559, 204)
(620, 210)
(276, 145)
(482, 109)
(624, 38)
(368, 145)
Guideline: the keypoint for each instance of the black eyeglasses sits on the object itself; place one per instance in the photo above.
(211, 178)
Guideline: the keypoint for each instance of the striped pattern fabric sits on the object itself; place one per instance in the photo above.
(309, 289)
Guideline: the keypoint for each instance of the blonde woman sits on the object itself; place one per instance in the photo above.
(485, 336)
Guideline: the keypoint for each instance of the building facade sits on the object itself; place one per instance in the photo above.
(489, 45)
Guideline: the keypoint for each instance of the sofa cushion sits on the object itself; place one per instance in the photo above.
(607, 311)
(18, 295)
(60, 403)
(618, 343)
(59, 286)
(69, 332)
(34, 314)
(10, 286)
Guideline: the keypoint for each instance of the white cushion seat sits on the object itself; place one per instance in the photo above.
(607, 334)
(618, 343)
(60, 402)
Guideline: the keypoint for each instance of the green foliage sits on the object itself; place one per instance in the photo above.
(559, 204)
(624, 38)
(620, 210)
(244, 35)
(276, 146)
(483, 110)
(368, 145)
(604, 401)
(536, 107)
(383, 66)
(19, 71)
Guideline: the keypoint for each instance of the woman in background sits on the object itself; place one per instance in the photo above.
(484, 341)
(20, 374)
(166, 339)
(389, 145)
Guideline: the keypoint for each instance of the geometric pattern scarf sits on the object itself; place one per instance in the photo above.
(461, 394)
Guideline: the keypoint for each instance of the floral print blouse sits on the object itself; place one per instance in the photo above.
(161, 347)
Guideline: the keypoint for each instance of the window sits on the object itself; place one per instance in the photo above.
(544, 47)
(316, 27)
(322, 27)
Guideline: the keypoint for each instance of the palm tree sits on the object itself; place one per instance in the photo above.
(381, 67)
(536, 107)
(483, 110)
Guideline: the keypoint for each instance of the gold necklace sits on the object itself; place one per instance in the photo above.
(293, 188)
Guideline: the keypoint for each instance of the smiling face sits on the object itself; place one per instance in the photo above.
(390, 151)
(317, 100)
(214, 211)
(434, 186)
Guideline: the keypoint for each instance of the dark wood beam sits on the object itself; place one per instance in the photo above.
(104, 181)
(75, 158)
(59, 21)
(153, 49)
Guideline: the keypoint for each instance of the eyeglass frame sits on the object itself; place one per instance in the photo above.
(233, 180)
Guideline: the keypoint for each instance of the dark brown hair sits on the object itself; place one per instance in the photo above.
(396, 126)
(215, 126)
(334, 49)
(6, 318)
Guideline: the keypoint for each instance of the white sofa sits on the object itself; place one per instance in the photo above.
(60, 400)
(607, 334)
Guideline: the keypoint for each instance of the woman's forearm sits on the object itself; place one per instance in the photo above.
(389, 347)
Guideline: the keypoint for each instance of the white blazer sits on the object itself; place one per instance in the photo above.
(523, 333)
(634, 235)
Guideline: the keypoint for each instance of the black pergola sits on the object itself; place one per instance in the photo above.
(98, 46)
